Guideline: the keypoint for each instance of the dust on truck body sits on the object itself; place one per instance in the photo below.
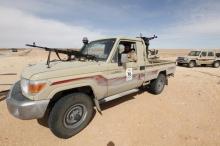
(65, 92)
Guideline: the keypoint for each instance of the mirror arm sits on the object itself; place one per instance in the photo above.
(119, 60)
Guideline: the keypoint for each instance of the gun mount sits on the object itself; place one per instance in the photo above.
(147, 41)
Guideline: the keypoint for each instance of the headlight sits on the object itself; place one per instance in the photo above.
(24, 86)
(185, 59)
(29, 87)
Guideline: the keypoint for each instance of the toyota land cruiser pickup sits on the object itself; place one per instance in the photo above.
(67, 91)
(203, 57)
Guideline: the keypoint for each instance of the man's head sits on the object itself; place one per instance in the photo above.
(127, 48)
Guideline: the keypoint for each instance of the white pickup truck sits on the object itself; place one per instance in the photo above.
(202, 57)
(66, 92)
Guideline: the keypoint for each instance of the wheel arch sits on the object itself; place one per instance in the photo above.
(192, 61)
(87, 89)
(164, 72)
(216, 61)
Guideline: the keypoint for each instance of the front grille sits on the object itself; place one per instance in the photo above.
(180, 58)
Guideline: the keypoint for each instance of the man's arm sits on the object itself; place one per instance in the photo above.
(132, 57)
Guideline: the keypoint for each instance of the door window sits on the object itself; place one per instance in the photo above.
(210, 54)
(126, 49)
(204, 54)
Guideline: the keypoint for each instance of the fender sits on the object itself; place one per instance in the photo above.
(63, 88)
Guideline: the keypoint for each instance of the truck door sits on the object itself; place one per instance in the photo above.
(203, 58)
(126, 75)
(210, 57)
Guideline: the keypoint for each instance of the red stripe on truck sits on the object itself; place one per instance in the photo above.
(101, 80)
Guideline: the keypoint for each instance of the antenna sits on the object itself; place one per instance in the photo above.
(141, 35)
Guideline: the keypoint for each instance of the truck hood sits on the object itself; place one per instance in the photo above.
(189, 57)
(59, 69)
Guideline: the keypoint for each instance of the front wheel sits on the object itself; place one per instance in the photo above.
(216, 64)
(157, 85)
(191, 64)
(70, 115)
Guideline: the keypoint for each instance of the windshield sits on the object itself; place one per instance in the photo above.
(100, 49)
(194, 53)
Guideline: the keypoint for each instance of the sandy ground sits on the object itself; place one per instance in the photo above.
(186, 113)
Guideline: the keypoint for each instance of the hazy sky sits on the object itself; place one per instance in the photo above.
(56, 23)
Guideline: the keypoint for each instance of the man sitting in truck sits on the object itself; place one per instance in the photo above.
(132, 57)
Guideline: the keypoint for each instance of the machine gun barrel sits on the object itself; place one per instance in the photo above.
(63, 51)
(146, 39)
(68, 52)
(35, 46)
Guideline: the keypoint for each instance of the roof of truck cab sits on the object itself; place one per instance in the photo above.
(217, 51)
(207, 50)
(129, 38)
(121, 38)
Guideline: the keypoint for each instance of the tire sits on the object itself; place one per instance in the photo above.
(216, 64)
(70, 115)
(191, 64)
(157, 85)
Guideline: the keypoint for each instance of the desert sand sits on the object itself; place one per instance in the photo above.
(185, 113)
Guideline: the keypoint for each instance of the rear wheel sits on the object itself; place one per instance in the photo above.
(157, 85)
(191, 64)
(70, 115)
(216, 64)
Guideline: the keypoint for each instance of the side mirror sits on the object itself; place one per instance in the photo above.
(121, 48)
(85, 40)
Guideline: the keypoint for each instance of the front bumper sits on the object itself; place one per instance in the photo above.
(182, 61)
(22, 107)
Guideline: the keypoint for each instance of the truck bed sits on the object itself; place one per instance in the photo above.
(158, 62)
(154, 67)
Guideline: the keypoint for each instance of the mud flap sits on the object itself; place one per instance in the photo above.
(166, 82)
(97, 105)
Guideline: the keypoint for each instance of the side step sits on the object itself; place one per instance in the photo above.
(118, 95)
